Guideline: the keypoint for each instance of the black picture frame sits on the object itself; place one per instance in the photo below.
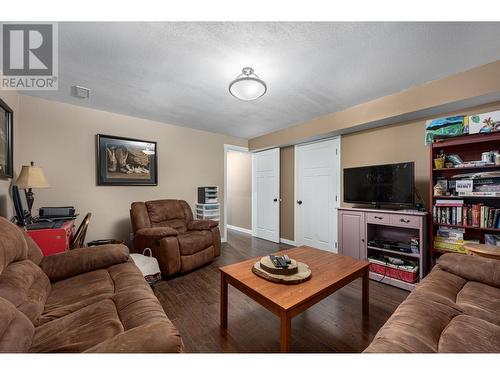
(123, 161)
(6, 141)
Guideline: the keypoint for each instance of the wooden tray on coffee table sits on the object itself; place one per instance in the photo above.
(296, 273)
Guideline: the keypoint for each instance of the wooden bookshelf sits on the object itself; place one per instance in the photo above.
(469, 148)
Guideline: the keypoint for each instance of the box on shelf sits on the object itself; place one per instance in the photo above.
(407, 273)
(456, 246)
(484, 123)
(445, 127)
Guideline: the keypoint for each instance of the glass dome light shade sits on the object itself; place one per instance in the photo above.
(247, 86)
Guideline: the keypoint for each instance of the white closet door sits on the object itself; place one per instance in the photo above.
(317, 168)
(265, 191)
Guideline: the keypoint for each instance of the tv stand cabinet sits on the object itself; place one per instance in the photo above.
(359, 225)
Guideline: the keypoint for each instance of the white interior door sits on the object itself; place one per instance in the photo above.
(317, 185)
(265, 194)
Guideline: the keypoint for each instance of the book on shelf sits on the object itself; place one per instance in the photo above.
(451, 233)
(492, 239)
(479, 194)
(483, 185)
(454, 245)
(469, 215)
(449, 202)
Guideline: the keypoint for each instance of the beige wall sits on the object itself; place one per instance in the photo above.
(397, 143)
(239, 189)
(475, 85)
(11, 98)
(287, 186)
(389, 144)
(61, 139)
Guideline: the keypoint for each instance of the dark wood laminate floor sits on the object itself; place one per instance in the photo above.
(335, 324)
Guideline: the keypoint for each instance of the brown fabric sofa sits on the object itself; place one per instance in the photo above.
(85, 300)
(180, 243)
(455, 309)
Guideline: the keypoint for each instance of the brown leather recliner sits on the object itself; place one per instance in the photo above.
(180, 243)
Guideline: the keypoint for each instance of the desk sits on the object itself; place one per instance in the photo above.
(53, 241)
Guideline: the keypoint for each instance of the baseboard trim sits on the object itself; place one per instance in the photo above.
(288, 242)
(223, 239)
(239, 229)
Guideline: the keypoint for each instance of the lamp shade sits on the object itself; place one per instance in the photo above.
(31, 177)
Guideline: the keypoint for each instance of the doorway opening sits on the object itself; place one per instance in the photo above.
(237, 190)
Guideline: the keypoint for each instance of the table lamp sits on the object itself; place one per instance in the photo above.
(31, 177)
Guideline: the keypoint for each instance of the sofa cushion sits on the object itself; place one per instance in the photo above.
(453, 309)
(468, 334)
(194, 241)
(190, 262)
(75, 293)
(415, 326)
(34, 252)
(481, 301)
(169, 213)
(164, 209)
(441, 287)
(78, 331)
(13, 246)
(153, 337)
(78, 261)
(16, 330)
(25, 285)
(127, 278)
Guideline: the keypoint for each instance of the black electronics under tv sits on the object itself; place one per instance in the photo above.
(380, 184)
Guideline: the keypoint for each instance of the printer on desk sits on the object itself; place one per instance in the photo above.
(52, 230)
(49, 217)
(56, 212)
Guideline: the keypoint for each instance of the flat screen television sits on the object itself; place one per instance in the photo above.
(380, 184)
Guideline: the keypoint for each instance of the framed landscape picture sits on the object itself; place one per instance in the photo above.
(126, 161)
(6, 144)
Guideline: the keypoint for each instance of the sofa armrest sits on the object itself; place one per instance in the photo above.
(201, 225)
(157, 337)
(75, 262)
(156, 233)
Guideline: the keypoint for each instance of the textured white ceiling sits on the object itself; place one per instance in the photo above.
(179, 72)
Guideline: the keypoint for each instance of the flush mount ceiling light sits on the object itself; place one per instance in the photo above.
(247, 86)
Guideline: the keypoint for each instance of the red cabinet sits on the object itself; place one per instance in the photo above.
(53, 241)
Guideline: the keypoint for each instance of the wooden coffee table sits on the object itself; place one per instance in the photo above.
(330, 272)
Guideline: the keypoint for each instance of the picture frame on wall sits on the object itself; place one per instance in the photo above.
(126, 161)
(6, 140)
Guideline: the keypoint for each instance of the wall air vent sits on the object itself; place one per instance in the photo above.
(80, 92)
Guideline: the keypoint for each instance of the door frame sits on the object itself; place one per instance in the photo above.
(254, 201)
(338, 170)
(227, 148)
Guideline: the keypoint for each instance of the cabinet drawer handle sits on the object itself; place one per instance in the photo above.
(404, 220)
(378, 217)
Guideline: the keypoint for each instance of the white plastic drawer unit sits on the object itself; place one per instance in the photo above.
(210, 211)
